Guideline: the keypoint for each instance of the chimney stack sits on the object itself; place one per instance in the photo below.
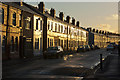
(105, 32)
(68, 19)
(52, 12)
(102, 32)
(41, 7)
(77, 23)
(21, 2)
(89, 29)
(93, 30)
(96, 31)
(73, 21)
(61, 16)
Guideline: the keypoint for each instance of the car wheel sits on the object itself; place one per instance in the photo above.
(45, 57)
(57, 56)
(61, 56)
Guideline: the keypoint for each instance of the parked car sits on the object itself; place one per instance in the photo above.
(114, 45)
(81, 48)
(110, 47)
(87, 47)
(54, 52)
(92, 47)
(96, 47)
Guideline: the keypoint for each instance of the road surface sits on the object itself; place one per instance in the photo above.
(77, 65)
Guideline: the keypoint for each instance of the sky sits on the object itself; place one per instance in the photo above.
(98, 15)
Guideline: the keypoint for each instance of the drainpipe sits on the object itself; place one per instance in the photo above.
(21, 38)
(67, 37)
(81, 38)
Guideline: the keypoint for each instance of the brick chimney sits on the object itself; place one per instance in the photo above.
(93, 30)
(73, 21)
(89, 29)
(41, 7)
(21, 2)
(96, 31)
(52, 12)
(105, 32)
(61, 16)
(77, 23)
(68, 19)
(102, 32)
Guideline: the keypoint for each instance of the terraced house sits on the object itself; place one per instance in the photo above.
(101, 38)
(19, 27)
(10, 31)
(61, 32)
(28, 31)
(37, 30)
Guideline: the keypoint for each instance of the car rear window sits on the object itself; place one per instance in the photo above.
(52, 48)
(81, 46)
(110, 45)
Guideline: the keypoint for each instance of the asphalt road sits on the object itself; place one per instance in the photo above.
(73, 66)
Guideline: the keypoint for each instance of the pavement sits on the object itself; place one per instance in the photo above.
(72, 67)
(111, 71)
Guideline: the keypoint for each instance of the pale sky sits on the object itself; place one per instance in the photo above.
(99, 15)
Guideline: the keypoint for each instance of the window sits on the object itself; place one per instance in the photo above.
(36, 43)
(41, 43)
(27, 23)
(36, 24)
(3, 44)
(0, 40)
(16, 43)
(48, 25)
(41, 25)
(65, 43)
(51, 25)
(69, 43)
(55, 27)
(20, 16)
(74, 43)
(65, 30)
(12, 44)
(62, 43)
(69, 30)
(14, 19)
(58, 27)
(61, 28)
(51, 42)
(55, 41)
(77, 33)
(48, 42)
(2, 16)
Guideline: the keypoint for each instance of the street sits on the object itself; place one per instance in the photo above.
(77, 65)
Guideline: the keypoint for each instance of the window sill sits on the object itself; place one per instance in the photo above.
(27, 28)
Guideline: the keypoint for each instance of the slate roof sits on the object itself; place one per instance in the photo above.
(24, 7)
(35, 9)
